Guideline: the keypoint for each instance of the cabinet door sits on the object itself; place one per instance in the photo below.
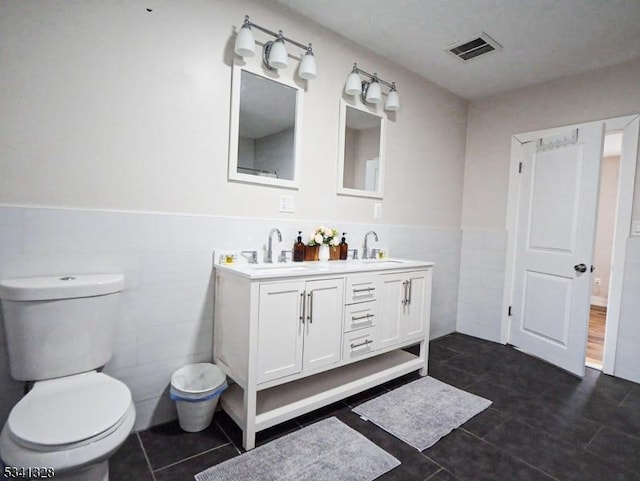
(390, 309)
(323, 323)
(412, 325)
(280, 330)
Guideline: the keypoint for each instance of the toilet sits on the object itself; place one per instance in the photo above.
(59, 332)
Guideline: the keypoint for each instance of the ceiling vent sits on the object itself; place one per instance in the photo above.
(481, 44)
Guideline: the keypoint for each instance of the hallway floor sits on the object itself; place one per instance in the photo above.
(595, 341)
(543, 425)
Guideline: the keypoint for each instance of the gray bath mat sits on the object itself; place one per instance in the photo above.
(423, 411)
(328, 450)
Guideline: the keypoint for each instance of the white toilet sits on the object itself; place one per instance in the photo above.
(59, 330)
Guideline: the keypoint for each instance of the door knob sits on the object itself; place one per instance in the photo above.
(580, 267)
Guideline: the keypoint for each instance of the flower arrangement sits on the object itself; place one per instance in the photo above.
(324, 235)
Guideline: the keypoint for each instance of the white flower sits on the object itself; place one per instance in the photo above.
(335, 241)
(328, 232)
(318, 238)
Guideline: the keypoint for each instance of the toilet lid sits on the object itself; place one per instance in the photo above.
(69, 410)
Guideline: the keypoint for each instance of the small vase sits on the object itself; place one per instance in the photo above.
(323, 255)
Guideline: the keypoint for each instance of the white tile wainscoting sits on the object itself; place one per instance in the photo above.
(482, 262)
(167, 312)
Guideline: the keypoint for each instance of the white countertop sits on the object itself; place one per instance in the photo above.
(303, 269)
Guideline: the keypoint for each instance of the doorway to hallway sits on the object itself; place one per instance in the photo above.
(551, 208)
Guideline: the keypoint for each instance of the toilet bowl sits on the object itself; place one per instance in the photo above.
(59, 331)
(71, 425)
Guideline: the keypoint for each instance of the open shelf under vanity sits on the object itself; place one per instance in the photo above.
(289, 400)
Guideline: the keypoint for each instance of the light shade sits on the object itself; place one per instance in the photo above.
(277, 56)
(374, 93)
(308, 69)
(353, 85)
(393, 101)
(245, 44)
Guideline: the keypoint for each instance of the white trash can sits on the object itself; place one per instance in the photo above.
(196, 389)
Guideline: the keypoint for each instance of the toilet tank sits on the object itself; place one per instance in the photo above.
(58, 326)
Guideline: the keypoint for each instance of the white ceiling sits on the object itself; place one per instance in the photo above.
(542, 39)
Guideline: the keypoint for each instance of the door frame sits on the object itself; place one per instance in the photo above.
(622, 230)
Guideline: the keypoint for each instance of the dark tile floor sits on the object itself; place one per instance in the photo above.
(543, 425)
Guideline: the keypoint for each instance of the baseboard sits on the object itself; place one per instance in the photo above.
(598, 301)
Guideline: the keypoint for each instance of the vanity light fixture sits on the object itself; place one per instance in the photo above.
(274, 53)
(370, 90)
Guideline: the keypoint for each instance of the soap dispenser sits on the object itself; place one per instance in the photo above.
(344, 248)
(298, 248)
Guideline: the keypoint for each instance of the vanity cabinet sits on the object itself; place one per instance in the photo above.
(294, 339)
(299, 327)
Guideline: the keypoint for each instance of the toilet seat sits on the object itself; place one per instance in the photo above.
(68, 412)
(67, 461)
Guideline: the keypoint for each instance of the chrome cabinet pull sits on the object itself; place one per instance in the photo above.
(365, 289)
(410, 282)
(362, 344)
(404, 286)
(302, 307)
(360, 318)
(310, 316)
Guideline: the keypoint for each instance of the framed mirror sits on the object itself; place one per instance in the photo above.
(361, 151)
(265, 129)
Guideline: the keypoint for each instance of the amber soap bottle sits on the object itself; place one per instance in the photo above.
(344, 248)
(298, 249)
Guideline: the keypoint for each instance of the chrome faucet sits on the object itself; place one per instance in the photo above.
(365, 254)
(270, 244)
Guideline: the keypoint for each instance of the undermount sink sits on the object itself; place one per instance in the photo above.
(277, 267)
(375, 263)
(381, 264)
(381, 261)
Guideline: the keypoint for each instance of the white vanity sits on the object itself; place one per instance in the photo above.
(298, 336)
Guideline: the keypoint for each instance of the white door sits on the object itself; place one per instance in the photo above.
(323, 328)
(372, 167)
(554, 246)
(280, 330)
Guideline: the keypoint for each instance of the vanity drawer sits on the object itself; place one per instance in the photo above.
(360, 316)
(361, 288)
(357, 344)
